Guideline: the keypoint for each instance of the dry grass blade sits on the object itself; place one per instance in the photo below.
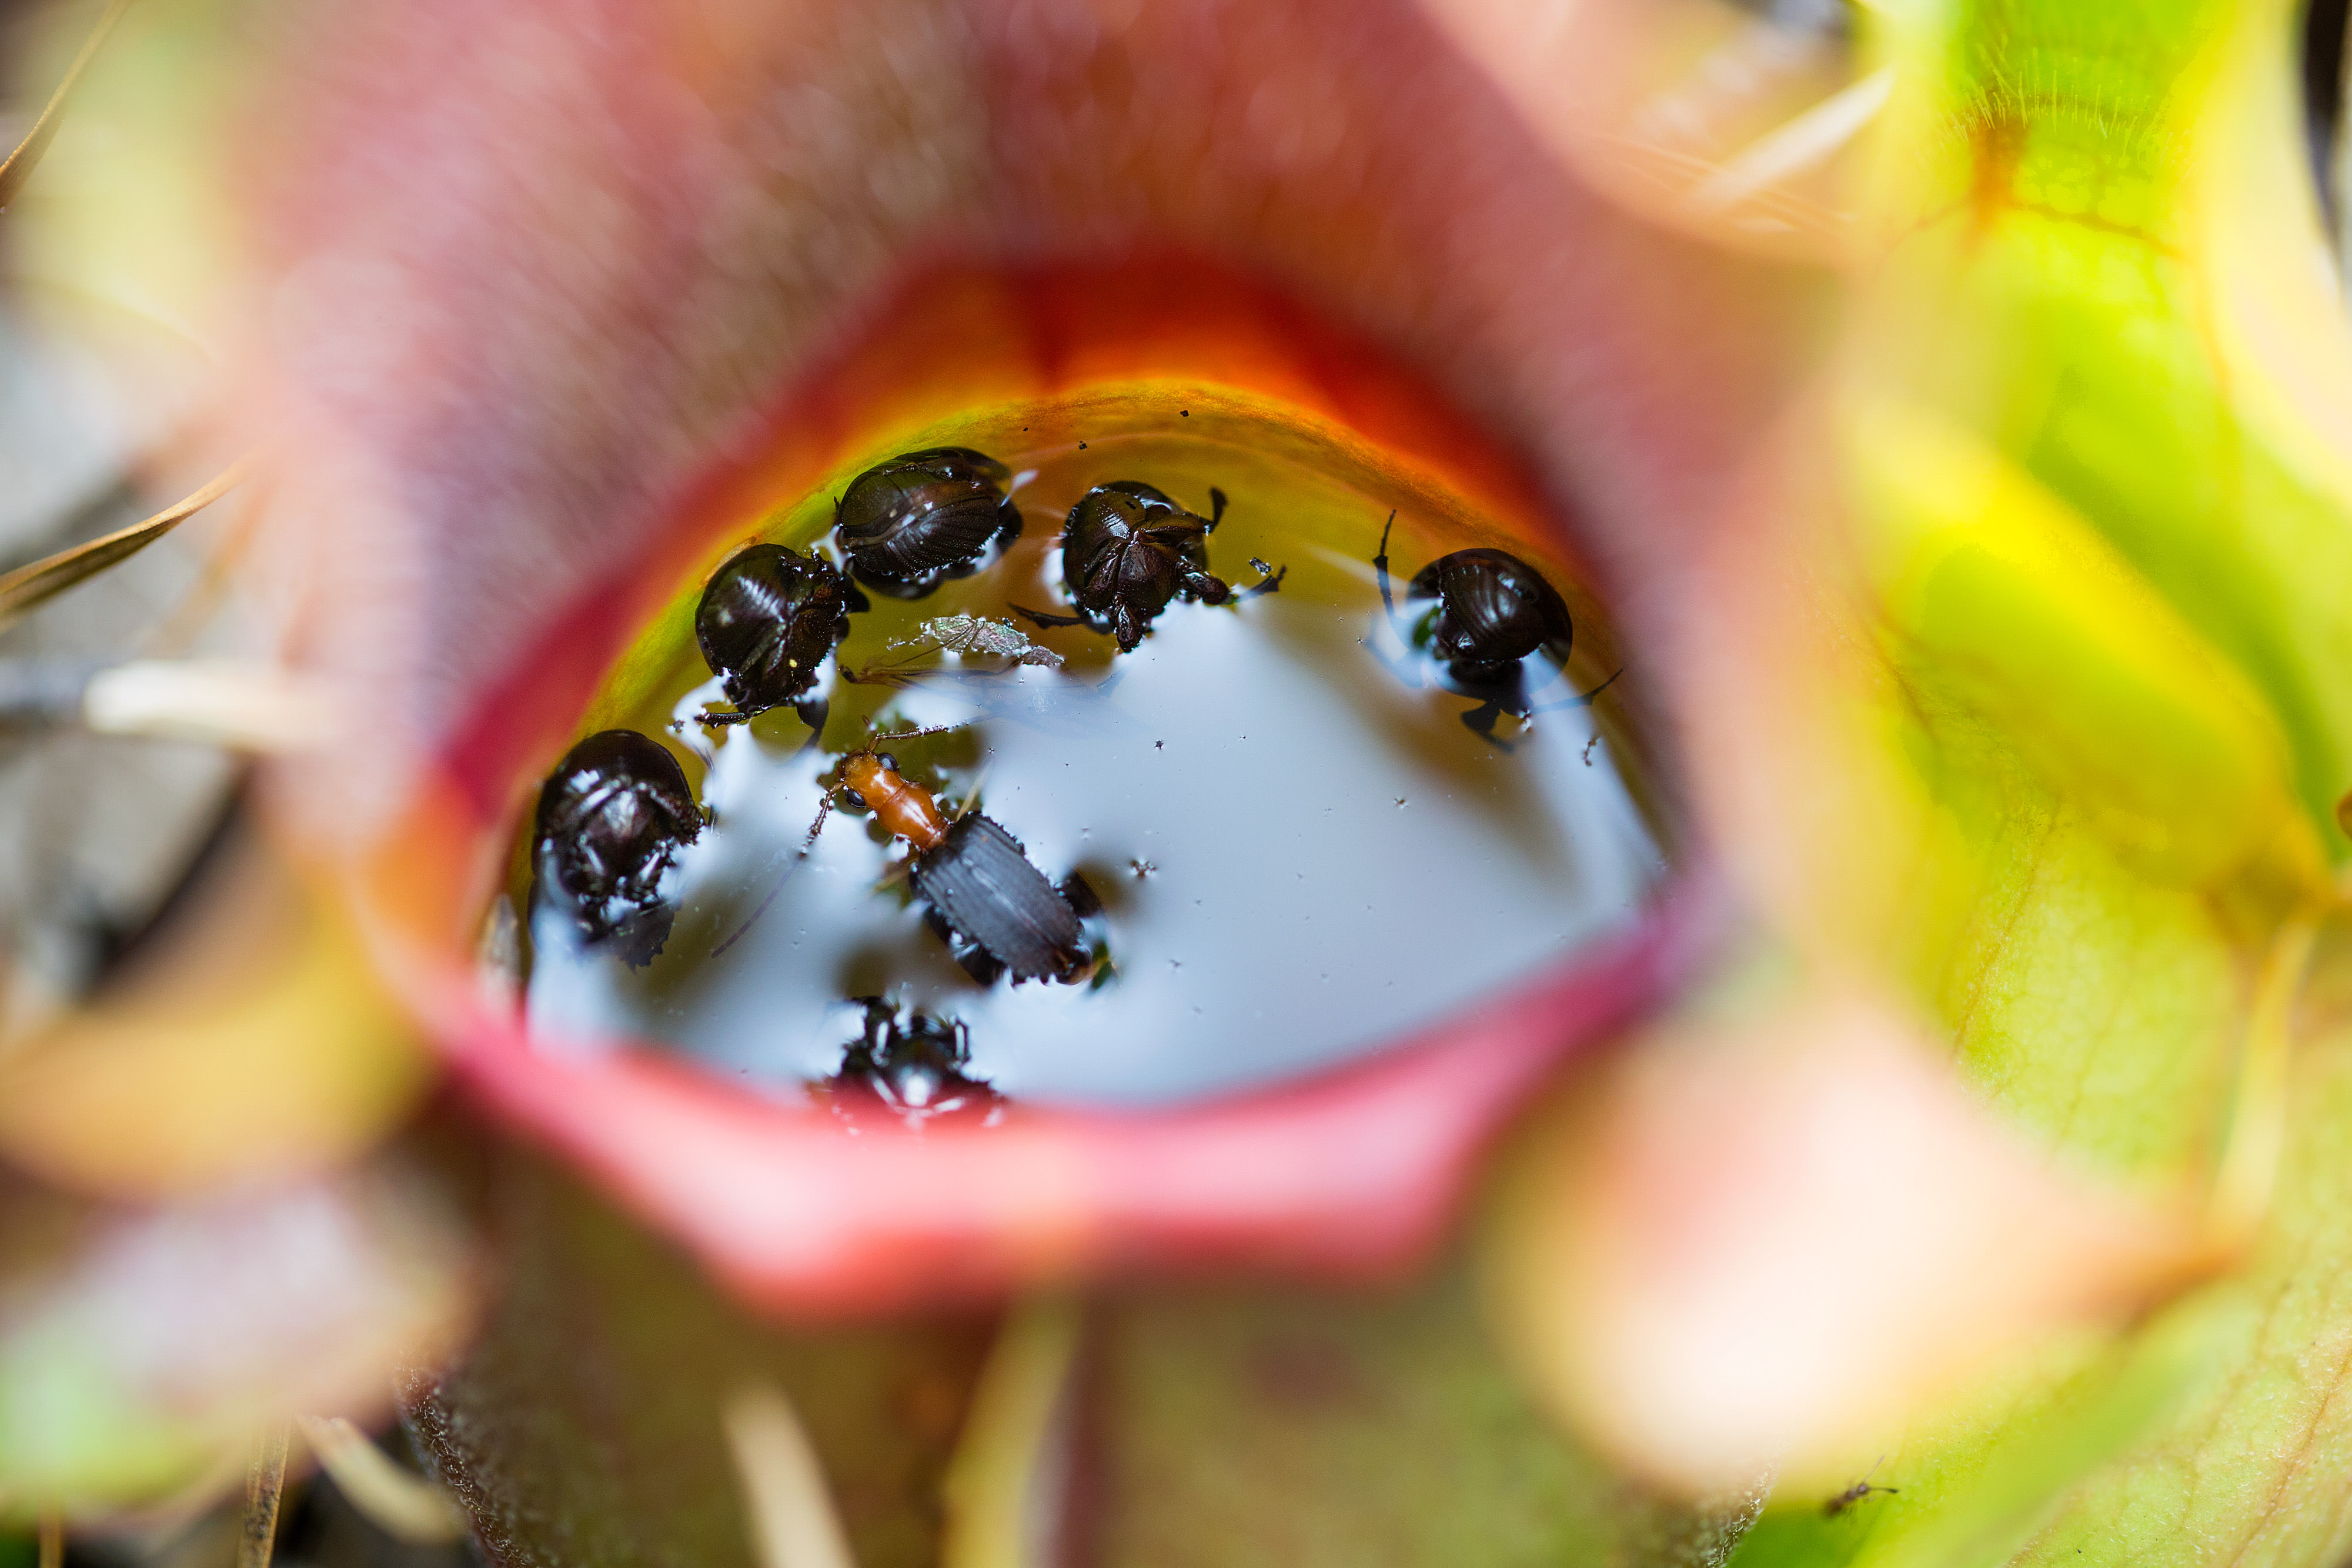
(793, 1525)
(236, 703)
(1004, 1490)
(265, 1484)
(53, 1540)
(22, 162)
(406, 1507)
(29, 586)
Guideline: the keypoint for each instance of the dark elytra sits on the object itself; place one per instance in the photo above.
(924, 515)
(1493, 610)
(768, 620)
(612, 820)
(980, 882)
(1126, 550)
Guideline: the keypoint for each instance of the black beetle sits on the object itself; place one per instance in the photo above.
(924, 515)
(612, 820)
(995, 910)
(768, 620)
(914, 1068)
(1492, 611)
(1126, 550)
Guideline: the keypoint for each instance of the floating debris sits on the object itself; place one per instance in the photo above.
(979, 634)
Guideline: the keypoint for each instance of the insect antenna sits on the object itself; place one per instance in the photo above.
(1040, 618)
(1216, 509)
(1403, 665)
(1582, 700)
(824, 810)
(1269, 578)
(898, 677)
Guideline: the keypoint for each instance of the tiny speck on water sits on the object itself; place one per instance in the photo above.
(1142, 869)
(1400, 800)
(1159, 746)
(1081, 446)
(1183, 414)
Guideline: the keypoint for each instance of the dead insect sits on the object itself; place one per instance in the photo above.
(995, 911)
(1000, 647)
(1855, 1494)
(978, 636)
(767, 623)
(1126, 550)
(924, 515)
(1492, 611)
(913, 1069)
(613, 818)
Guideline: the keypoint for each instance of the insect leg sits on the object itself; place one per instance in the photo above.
(1269, 578)
(813, 713)
(1582, 700)
(1039, 618)
(714, 718)
(1009, 528)
(1380, 569)
(1081, 896)
(871, 740)
(824, 810)
(1480, 722)
(1216, 509)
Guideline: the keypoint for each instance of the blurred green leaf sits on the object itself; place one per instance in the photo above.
(2050, 307)
(2004, 602)
(1296, 1429)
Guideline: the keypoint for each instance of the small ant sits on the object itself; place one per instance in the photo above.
(1855, 1494)
(1493, 610)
